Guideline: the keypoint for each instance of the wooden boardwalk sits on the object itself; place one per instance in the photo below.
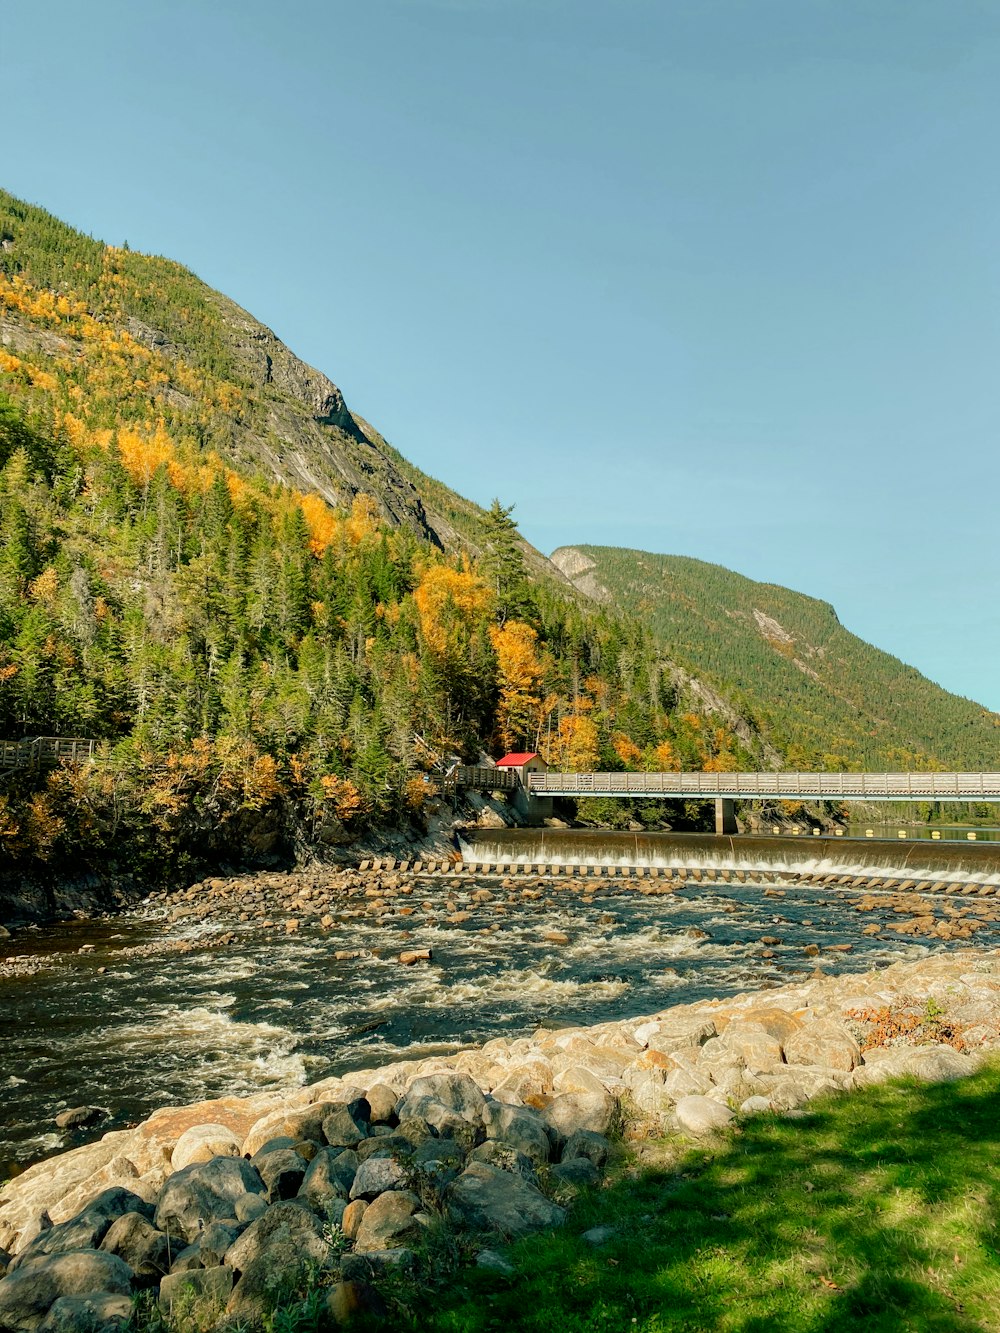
(44, 752)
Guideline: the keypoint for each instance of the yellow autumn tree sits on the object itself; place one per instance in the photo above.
(573, 746)
(520, 673)
(449, 603)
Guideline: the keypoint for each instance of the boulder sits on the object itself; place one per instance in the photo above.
(286, 1229)
(701, 1115)
(271, 1256)
(387, 1221)
(585, 1143)
(486, 1198)
(376, 1175)
(501, 1154)
(97, 1312)
(674, 1034)
(282, 1171)
(146, 1250)
(329, 1175)
(382, 1103)
(292, 1122)
(204, 1192)
(520, 1128)
(28, 1294)
(823, 1042)
(201, 1293)
(86, 1230)
(571, 1111)
(342, 1130)
(457, 1092)
(249, 1207)
(757, 1049)
(202, 1142)
(347, 1302)
(351, 1221)
(577, 1172)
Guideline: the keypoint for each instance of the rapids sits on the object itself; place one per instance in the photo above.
(115, 1018)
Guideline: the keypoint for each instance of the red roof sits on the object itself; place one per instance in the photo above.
(515, 760)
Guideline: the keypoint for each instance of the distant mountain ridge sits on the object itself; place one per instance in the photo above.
(819, 694)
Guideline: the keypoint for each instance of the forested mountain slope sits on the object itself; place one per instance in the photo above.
(211, 566)
(822, 696)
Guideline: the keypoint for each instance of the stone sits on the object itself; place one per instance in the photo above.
(823, 1042)
(27, 1294)
(376, 1175)
(84, 1231)
(146, 1250)
(455, 1092)
(382, 1100)
(216, 1241)
(97, 1312)
(204, 1192)
(494, 1263)
(756, 1105)
(387, 1221)
(486, 1198)
(341, 1130)
(410, 956)
(347, 1302)
(757, 1049)
(77, 1116)
(501, 1154)
(578, 1172)
(572, 1111)
(202, 1142)
(599, 1235)
(520, 1128)
(585, 1143)
(414, 1130)
(701, 1115)
(676, 1034)
(329, 1175)
(249, 1207)
(201, 1293)
(282, 1171)
(286, 1228)
(294, 1123)
(351, 1220)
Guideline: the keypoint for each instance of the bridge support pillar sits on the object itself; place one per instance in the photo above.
(534, 808)
(725, 815)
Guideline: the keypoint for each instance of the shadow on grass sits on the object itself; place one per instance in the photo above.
(876, 1210)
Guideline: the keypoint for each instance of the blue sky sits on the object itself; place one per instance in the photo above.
(709, 277)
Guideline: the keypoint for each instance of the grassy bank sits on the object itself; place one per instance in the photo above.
(879, 1210)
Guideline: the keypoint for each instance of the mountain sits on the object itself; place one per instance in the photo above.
(821, 696)
(268, 618)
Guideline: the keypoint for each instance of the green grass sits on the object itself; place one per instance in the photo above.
(876, 1211)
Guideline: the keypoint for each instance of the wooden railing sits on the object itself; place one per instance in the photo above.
(783, 786)
(45, 752)
(483, 779)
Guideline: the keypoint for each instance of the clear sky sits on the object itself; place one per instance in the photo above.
(709, 277)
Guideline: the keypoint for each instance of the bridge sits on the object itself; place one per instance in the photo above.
(726, 788)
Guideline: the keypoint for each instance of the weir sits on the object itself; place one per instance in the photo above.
(600, 847)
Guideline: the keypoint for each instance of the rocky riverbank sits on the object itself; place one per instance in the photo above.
(222, 1196)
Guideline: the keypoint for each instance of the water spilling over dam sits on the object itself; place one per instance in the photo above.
(901, 858)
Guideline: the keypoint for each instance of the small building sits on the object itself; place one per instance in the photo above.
(522, 765)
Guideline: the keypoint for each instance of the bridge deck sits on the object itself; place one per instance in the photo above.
(782, 786)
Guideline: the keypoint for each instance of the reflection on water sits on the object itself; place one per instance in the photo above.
(925, 832)
(278, 1010)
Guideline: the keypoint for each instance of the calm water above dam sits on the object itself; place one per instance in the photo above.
(272, 1008)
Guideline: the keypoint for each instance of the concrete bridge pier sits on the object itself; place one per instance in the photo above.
(725, 815)
(535, 808)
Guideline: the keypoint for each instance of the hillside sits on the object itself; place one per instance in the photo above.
(265, 614)
(823, 697)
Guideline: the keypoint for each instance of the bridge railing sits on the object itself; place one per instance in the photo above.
(484, 779)
(783, 785)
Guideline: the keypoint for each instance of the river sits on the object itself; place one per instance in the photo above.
(114, 1021)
